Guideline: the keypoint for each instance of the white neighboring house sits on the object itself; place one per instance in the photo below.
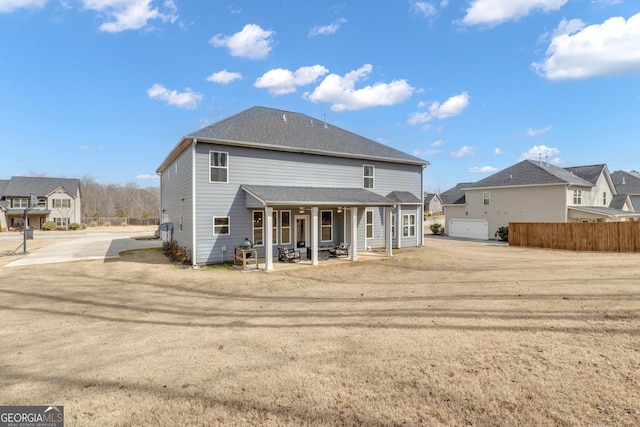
(57, 200)
(432, 203)
(532, 191)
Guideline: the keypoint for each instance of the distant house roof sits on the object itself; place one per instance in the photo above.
(273, 195)
(405, 197)
(626, 182)
(635, 202)
(3, 186)
(617, 202)
(273, 129)
(455, 195)
(529, 172)
(24, 186)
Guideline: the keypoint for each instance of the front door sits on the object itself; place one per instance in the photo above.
(301, 232)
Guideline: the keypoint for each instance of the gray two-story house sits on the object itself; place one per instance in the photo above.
(44, 198)
(285, 179)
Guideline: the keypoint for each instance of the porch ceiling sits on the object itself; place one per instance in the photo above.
(273, 195)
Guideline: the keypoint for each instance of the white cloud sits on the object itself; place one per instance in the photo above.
(537, 132)
(327, 30)
(482, 169)
(252, 42)
(451, 107)
(439, 143)
(124, 15)
(187, 100)
(341, 92)
(280, 81)
(224, 77)
(542, 152)
(8, 6)
(147, 177)
(424, 8)
(464, 152)
(494, 12)
(89, 148)
(577, 51)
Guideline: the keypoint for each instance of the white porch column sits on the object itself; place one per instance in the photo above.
(354, 233)
(314, 235)
(268, 238)
(399, 225)
(388, 239)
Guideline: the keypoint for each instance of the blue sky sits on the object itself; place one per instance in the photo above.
(108, 87)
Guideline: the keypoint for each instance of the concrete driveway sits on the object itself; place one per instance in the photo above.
(88, 247)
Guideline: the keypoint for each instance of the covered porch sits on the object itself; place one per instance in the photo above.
(311, 213)
(599, 214)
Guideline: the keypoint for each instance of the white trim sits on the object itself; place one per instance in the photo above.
(226, 153)
(194, 183)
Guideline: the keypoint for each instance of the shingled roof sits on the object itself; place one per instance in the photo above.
(273, 129)
(529, 172)
(455, 195)
(23, 186)
(631, 182)
(275, 195)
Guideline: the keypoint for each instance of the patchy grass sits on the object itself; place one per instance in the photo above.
(454, 333)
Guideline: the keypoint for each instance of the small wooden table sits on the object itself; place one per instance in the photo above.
(240, 256)
(323, 253)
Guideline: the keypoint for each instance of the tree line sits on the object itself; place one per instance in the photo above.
(115, 200)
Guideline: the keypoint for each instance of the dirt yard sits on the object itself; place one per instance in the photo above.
(454, 333)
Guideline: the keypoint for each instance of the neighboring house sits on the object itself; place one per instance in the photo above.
(432, 203)
(56, 199)
(282, 178)
(628, 188)
(532, 191)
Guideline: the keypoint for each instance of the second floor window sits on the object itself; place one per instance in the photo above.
(61, 203)
(219, 168)
(604, 198)
(577, 197)
(368, 175)
(20, 203)
(486, 198)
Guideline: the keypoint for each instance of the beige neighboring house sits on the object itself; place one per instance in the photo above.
(56, 199)
(532, 191)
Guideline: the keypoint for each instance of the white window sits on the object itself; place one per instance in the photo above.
(285, 227)
(604, 198)
(61, 222)
(409, 225)
(42, 203)
(20, 203)
(577, 197)
(369, 225)
(61, 203)
(219, 168)
(258, 228)
(274, 237)
(326, 220)
(486, 197)
(220, 225)
(368, 172)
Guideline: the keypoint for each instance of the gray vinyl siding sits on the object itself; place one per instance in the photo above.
(264, 167)
(177, 199)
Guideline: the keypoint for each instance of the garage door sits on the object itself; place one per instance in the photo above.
(469, 228)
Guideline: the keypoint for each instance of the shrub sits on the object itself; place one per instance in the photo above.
(48, 226)
(436, 228)
(75, 226)
(176, 253)
(93, 224)
(503, 234)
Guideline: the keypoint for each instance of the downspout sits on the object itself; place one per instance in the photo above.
(421, 210)
(193, 204)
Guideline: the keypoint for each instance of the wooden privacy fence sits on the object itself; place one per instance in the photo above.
(576, 236)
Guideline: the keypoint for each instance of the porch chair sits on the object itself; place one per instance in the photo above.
(341, 250)
(288, 255)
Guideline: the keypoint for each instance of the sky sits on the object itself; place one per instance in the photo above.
(106, 88)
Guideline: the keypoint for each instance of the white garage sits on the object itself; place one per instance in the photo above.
(469, 228)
